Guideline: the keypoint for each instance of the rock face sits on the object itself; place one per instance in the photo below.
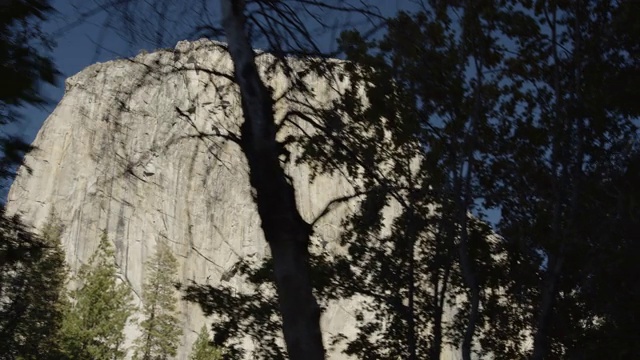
(116, 155)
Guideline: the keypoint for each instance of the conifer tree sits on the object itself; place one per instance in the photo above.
(160, 328)
(93, 327)
(203, 349)
(33, 290)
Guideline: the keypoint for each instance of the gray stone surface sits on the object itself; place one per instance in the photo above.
(114, 155)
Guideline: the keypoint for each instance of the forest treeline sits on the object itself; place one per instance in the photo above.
(47, 314)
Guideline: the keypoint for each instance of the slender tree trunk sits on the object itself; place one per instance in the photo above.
(465, 196)
(436, 345)
(541, 339)
(284, 229)
(411, 236)
(440, 293)
(147, 345)
(411, 318)
(474, 300)
(555, 261)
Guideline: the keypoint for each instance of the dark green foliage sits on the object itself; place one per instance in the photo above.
(523, 107)
(17, 240)
(32, 286)
(24, 66)
(419, 145)
(252, 314)
(32, 269)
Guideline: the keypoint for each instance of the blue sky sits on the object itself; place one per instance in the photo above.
(76, 49)
(84, 43)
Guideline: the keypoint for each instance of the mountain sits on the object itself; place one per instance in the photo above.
(137, 147)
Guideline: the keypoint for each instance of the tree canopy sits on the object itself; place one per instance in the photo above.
(25, 65)
(452, 112)
(472, 108)
(33, 277)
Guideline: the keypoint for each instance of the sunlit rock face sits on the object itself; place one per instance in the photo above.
(116, 155)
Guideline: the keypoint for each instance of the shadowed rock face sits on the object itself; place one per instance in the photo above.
(116, 155)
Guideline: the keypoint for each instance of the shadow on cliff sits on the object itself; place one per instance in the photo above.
(211, 124)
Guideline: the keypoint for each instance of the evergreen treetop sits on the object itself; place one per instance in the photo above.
(93, 327)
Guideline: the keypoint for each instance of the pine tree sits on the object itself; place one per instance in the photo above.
(93, 327)
(33, 292)
(160, 329)
(203, 349)
(48, 295)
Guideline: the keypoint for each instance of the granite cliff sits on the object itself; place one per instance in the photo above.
(116, 155)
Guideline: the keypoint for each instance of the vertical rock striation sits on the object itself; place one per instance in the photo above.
(116, 154)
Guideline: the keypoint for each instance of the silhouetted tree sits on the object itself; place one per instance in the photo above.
(24, 66)
(32, 287)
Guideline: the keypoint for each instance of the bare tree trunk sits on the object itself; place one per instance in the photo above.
(555, 261)
(411, 324)
(471, 282)
(439, 296)
(541, 338)
(284, 229)
(464, 194)
(411, 316)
